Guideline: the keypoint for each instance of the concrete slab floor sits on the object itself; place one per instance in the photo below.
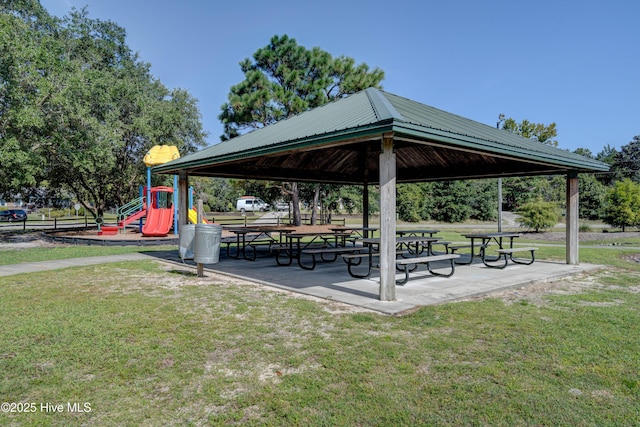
(330, 280)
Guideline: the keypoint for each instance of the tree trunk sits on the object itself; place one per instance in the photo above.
(295, 200)
(314, 205)
(291, 188)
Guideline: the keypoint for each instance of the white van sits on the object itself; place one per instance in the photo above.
(251, 204)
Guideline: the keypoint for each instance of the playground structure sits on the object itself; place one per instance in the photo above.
(156, 205)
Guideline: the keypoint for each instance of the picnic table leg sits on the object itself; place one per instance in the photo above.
(228, 249)
(453, 269)
(254, 251)
(253, 258)
(237, 255)
(487, 262)
(401, 267)
(471, 254)
(299, 255)
(406, 276)
(306, 267)
(335, 257)
(290, 257)
(429, 248)
(533, 258)
(351, 264)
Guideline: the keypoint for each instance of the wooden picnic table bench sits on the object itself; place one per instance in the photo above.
(322, 251)
(253, 245)
(402, 264)
(351, 258)
(503, 253)
(412, 245)
(427, 260)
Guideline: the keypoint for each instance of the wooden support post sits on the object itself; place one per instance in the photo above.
(183, 198)
(387, 220)
(365, 205)
(200, 211)
(365, 190)
(199, 221)
(572, 229)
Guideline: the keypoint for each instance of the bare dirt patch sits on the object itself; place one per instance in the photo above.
(536, 293)
(26, 240)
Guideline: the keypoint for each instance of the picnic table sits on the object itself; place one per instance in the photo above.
(315, 243)
(500, 239)
(415, 245)
(411, 245)
(417, 231)
(364, 232)
(254, 236)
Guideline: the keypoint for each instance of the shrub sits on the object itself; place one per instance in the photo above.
(58, 213)
(584, 228)
(623, 204)
(409, 202)
(538, 215)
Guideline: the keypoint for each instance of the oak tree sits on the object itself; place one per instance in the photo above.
(80, 109)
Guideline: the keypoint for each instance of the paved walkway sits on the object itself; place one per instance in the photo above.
(33, 267)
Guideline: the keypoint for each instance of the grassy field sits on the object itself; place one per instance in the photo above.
(147, 343)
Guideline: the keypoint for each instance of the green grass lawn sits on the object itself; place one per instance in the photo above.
(146, 343)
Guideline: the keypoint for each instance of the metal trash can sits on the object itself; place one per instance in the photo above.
(206, 246)
(187, 234)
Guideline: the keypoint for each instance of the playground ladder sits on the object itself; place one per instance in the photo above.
(132, 207)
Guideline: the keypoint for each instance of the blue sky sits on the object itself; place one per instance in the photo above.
(575, 63)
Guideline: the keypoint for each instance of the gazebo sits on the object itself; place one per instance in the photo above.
(375, 137)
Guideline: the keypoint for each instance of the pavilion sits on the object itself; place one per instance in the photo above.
(375, 137)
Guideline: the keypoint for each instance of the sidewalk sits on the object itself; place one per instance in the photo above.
(33, 267)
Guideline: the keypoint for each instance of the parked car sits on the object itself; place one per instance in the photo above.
(13, 215)
(251, 204)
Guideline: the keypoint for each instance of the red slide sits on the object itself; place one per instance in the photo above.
(128, 220)
(159, 222)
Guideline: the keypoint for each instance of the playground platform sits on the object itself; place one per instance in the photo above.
(127, 238)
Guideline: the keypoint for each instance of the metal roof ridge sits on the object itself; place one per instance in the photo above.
(382, 107)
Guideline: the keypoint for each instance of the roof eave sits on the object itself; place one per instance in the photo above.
(353, 134)
(479, 145)
(400, 128)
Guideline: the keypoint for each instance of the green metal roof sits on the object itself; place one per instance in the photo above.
(342, 127)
